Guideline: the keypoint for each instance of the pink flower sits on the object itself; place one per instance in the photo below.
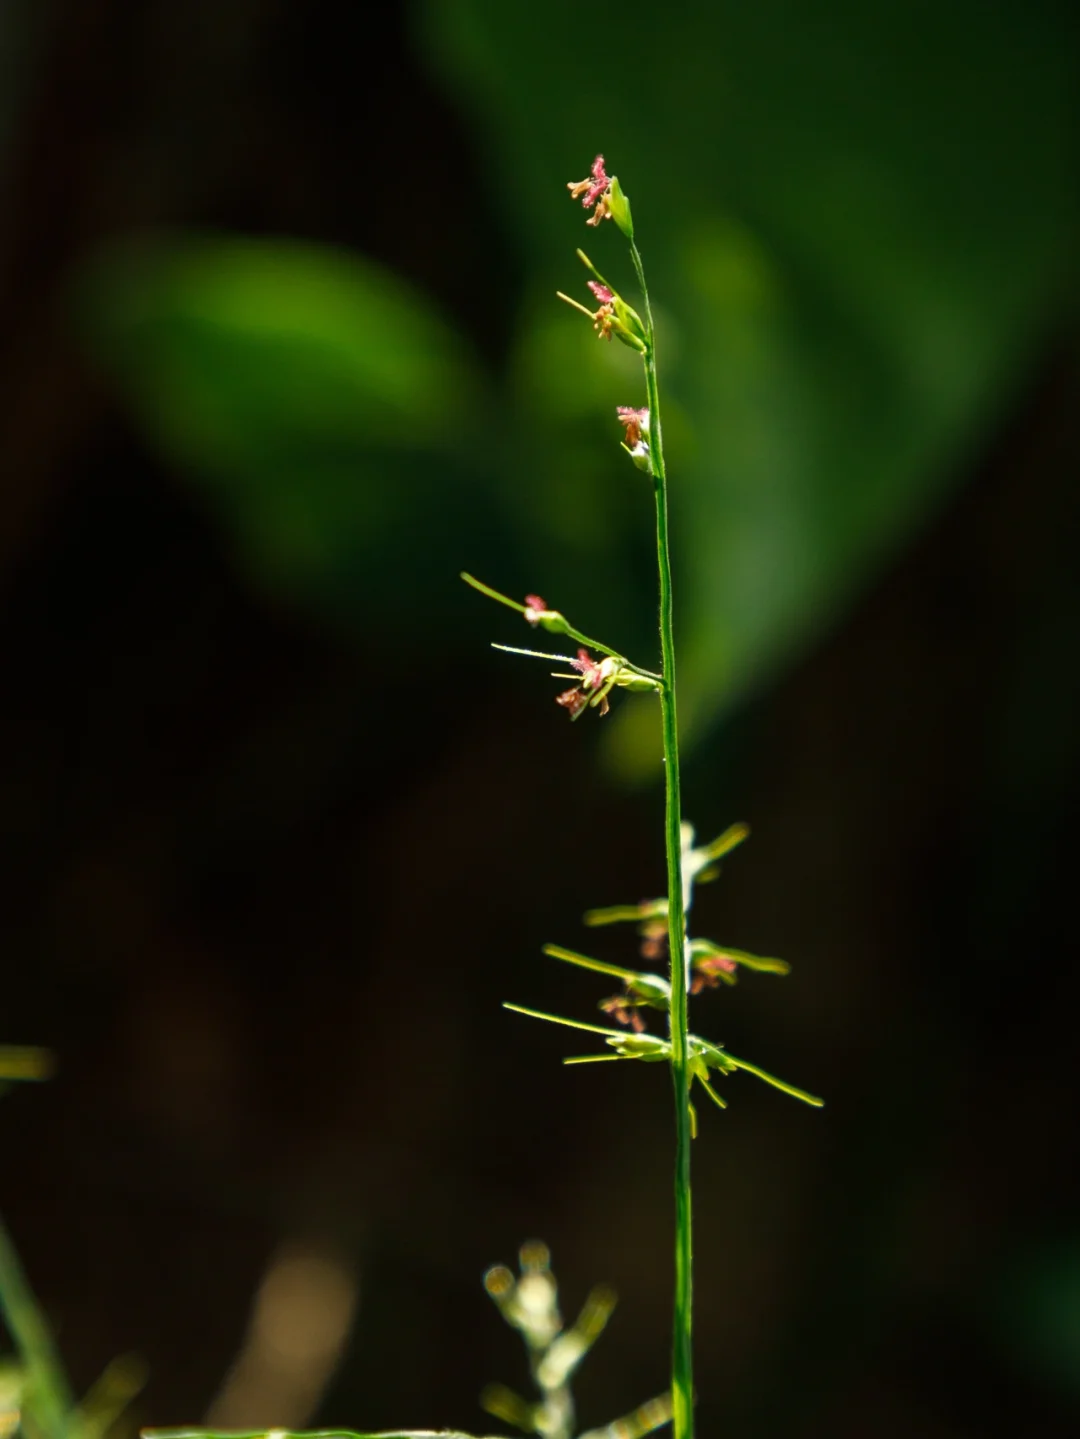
(710, 969)
(573, 700)
(596, 675)
(604, 322)
(612, 316)
(593, 186)
(592, 676)
(623, 1011)
(604, 319)
(593, 191)
(654, 939)
(534, 608)
(636, 423)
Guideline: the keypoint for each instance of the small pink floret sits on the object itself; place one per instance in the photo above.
(536, 607)
(573, 700)
(602, 293)
(593, 190)
(600, 183)
(635, 421)
(591, 674)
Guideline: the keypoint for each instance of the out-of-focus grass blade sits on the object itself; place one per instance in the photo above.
(306, 1434)
(110, 1395)
(25, 1061)
(47, 1397)
(644, 1420)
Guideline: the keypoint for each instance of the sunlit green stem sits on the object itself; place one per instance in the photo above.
(682, 1372)
(48, 1397)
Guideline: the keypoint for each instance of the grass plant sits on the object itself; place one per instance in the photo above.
(693, 964)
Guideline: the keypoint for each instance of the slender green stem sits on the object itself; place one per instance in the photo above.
(682, 1362)
(48, 1397)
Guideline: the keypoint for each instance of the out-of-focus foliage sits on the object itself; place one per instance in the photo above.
(35, 1395)
(1038, 1312)
(24, 1061)
(279, 831)
(310, 389)
(19, 25)
(855, 238)
(857, 219)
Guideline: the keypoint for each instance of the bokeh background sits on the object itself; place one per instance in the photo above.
(280, 356)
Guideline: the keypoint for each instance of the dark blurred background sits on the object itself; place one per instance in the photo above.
(280, 356)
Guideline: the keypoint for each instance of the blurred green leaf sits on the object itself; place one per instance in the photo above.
(1037, 1312)
(301, 382)
(25, 1061)
(857, 222)
(235, 346)
(45, 1396)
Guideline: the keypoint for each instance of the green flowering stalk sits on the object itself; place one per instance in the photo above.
(693, 965)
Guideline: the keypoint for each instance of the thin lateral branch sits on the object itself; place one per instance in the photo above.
(593, 270)
(593, 1058)
(726, 842)
(564, 628)
(535, 654)
(626, 913)
(776, 1083)
(577, 305)
(492, 595)
(568, 1023)
(711, 1092)
(624, 663)
(706, 948)
(569, 956)
(645, 1419)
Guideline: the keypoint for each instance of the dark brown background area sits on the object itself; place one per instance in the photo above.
(265, 881)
